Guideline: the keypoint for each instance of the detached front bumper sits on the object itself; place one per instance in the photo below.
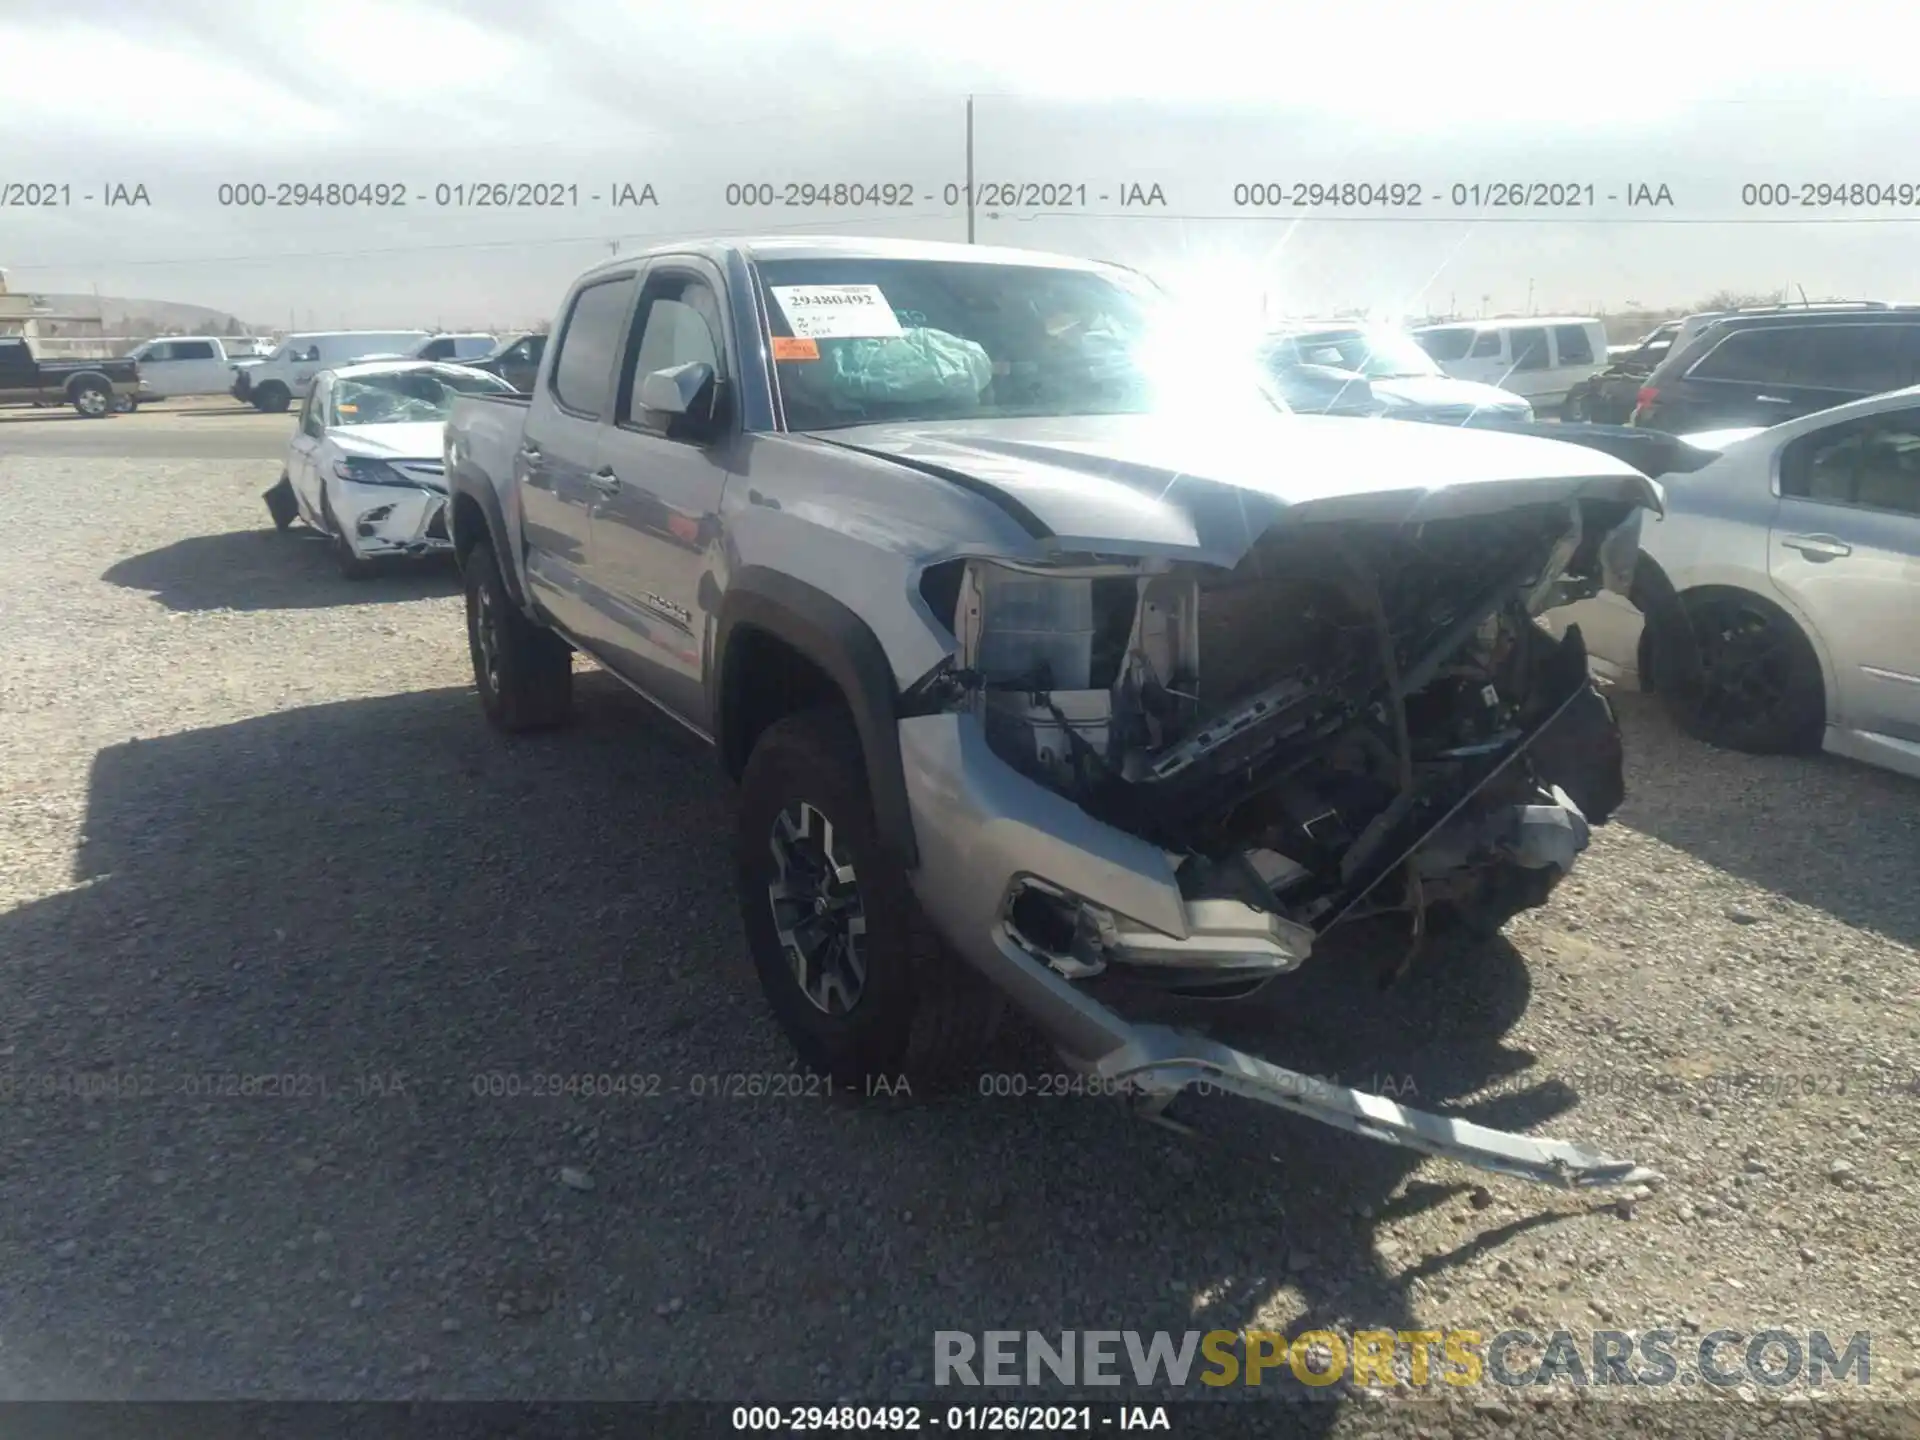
(987, 834)
(382, 520)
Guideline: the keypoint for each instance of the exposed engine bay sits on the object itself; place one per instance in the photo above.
(1358, 717)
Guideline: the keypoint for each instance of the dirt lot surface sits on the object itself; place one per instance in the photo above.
(252, 824)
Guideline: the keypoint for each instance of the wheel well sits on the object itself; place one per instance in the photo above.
(765, 680)
(467, 523)
(1740, 592)
(88, 378)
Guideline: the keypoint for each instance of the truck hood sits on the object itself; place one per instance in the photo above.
(1205, 490)
(410, 441)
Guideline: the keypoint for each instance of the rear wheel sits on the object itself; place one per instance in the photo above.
(1757, 685)
(851, 967)
(524, 673)
(91, 398)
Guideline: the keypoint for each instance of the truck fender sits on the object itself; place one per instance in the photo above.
(100, 375)
(840, 643)
(459, 529)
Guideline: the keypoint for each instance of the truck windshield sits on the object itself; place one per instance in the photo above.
(864, 339)
(397, 397)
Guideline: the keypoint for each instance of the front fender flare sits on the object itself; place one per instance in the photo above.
(845, 649)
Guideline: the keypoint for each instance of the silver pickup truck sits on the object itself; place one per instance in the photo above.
(1052, 659)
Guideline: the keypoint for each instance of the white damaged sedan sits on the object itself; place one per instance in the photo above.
(364, 468)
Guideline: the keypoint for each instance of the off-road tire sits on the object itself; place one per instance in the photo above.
(272, 398)
(1790, 721)
(923, 1013)
(91, 399)
(529, 685)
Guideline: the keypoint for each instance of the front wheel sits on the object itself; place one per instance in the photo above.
(1756, 684)
(272, 398)
(854, 972)
(351, 564)
(1574, 409)
(524, 673)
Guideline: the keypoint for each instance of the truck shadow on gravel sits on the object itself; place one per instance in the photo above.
(499, 987)
(270, 569)
(1828, 833)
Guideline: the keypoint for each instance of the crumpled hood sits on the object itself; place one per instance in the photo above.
(1206, 489)
(410, 440)
(1441, 392)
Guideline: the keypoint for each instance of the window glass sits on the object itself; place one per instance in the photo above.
(1754, 357)
(1530, 350)
(193, 350)
(1448, 344)
(1874, 463)
(1575, 348)
(1486, 345)
(584, 370)
(157, 352)
(1862, 358)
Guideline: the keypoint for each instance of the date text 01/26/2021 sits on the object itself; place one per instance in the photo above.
(906, 194)
(870, 1419)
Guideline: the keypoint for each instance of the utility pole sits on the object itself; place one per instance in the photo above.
(1529, 295)
(613, 247)
(970, 169)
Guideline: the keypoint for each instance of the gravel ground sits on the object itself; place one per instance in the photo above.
(254, 824)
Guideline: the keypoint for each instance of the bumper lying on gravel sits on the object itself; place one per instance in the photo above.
(988, 835)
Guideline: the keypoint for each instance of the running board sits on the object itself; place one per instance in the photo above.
(1160, 1062)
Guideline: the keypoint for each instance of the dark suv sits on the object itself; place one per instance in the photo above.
(1762, 369)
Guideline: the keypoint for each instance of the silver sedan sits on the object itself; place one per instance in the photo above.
(1783, 587)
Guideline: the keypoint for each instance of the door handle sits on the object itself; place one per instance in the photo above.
(605, 481)
(1773, 399)
(1817, 547)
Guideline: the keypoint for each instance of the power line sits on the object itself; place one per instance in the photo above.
(895, 217)
(891, 217)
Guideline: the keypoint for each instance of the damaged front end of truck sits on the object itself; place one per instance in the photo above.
(1183, 774)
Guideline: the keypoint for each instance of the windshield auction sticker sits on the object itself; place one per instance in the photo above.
(837, 312)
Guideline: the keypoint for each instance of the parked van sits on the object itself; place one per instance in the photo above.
(274, 383)
(188, 365)
(1539, 356)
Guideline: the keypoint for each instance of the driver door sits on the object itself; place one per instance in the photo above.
(303, 458)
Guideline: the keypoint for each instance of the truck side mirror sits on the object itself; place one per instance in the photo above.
(689, 396)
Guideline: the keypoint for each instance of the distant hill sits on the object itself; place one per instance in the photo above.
(121, 316)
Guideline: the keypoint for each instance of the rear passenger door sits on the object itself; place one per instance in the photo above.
(1573, 359)
(1746, 379)
(1530, 369)
(1833, 364)
(199, 369)
(557, 455)
(1845, 549)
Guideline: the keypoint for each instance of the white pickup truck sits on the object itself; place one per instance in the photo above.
(191, 365)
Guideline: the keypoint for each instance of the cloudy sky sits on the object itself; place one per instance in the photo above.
(435, 97)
